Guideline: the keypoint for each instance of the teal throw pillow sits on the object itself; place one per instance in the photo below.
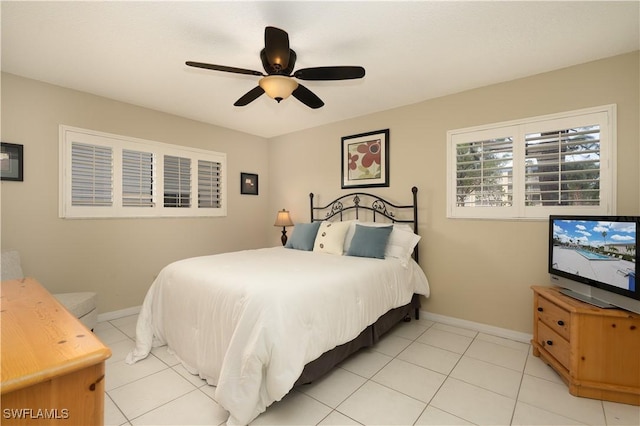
(369, 241)
(303, 236)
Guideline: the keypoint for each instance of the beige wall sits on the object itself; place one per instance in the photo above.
(117, 258)
(478, 270)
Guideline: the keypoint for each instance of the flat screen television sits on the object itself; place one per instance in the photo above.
(594, 259)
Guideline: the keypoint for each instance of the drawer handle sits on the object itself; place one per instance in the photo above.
(540, 309)
(561, 323)
(549, 342)
(92, 386)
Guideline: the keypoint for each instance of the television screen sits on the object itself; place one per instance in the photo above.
(597, 251)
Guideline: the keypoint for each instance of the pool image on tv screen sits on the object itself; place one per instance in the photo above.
(598, 250)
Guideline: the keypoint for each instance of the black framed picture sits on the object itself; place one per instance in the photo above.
(11, 161)
(365, 160)
(249, 183)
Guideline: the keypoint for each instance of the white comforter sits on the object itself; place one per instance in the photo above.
(249, 321)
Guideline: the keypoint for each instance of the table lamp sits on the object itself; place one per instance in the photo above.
(283, 219)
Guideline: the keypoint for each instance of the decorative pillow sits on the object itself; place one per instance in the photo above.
(330, 238)
(350, 233)
(401, 242)
(369, 241)
(303, 236)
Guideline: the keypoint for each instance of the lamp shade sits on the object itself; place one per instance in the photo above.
(283, 219)
(278, 87)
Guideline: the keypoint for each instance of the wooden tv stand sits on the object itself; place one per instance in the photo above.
(596, 351)
(52, 366)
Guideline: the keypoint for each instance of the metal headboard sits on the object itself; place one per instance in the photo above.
(362, 201)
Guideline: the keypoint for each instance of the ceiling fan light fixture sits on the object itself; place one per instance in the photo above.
(278, 87)
(279, 82)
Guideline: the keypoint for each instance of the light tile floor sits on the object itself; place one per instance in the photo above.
(421, 373)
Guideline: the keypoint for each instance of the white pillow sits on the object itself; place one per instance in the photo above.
(401, 242)
(330, 237)
(350, 233)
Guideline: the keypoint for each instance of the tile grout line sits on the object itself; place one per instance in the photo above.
(332, 410)
(447, 377)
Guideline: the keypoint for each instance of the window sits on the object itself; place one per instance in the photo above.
(531, 168)
(208, 184)
(137, 178)
(177, 181)
(91, 177)
(104, 175)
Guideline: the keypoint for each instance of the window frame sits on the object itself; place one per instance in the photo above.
(118, 143)
(606, 117)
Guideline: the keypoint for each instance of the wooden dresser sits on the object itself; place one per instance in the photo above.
(596, 351)
(52, 365)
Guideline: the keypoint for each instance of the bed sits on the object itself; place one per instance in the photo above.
(257, 323)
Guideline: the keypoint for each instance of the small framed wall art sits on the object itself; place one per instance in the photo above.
(249, 183)
(365, 160)
(11, 161)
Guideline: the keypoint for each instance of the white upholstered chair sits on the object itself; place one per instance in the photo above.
(80, 304)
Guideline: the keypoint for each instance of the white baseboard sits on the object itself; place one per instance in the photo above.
(108, 316)
(476, 326)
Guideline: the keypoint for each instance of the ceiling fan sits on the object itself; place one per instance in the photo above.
(278, 61)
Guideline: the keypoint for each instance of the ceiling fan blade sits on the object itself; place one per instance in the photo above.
(330, 73)
(307, 97)
(223, 68)
(250, 96)
(276, 48)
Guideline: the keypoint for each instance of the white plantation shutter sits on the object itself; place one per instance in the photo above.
(556, 164)
(563, 167)
(104, 175)
(177, 181)
(137, 178)
(91, 175)
(208, 184)
(484, 173)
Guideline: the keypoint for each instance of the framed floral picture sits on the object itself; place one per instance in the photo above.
(365, 160)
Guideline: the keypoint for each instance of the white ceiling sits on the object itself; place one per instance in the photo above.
(412, 51)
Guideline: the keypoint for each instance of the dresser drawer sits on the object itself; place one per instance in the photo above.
(553, 343)
(595, 351)
(554, 316)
